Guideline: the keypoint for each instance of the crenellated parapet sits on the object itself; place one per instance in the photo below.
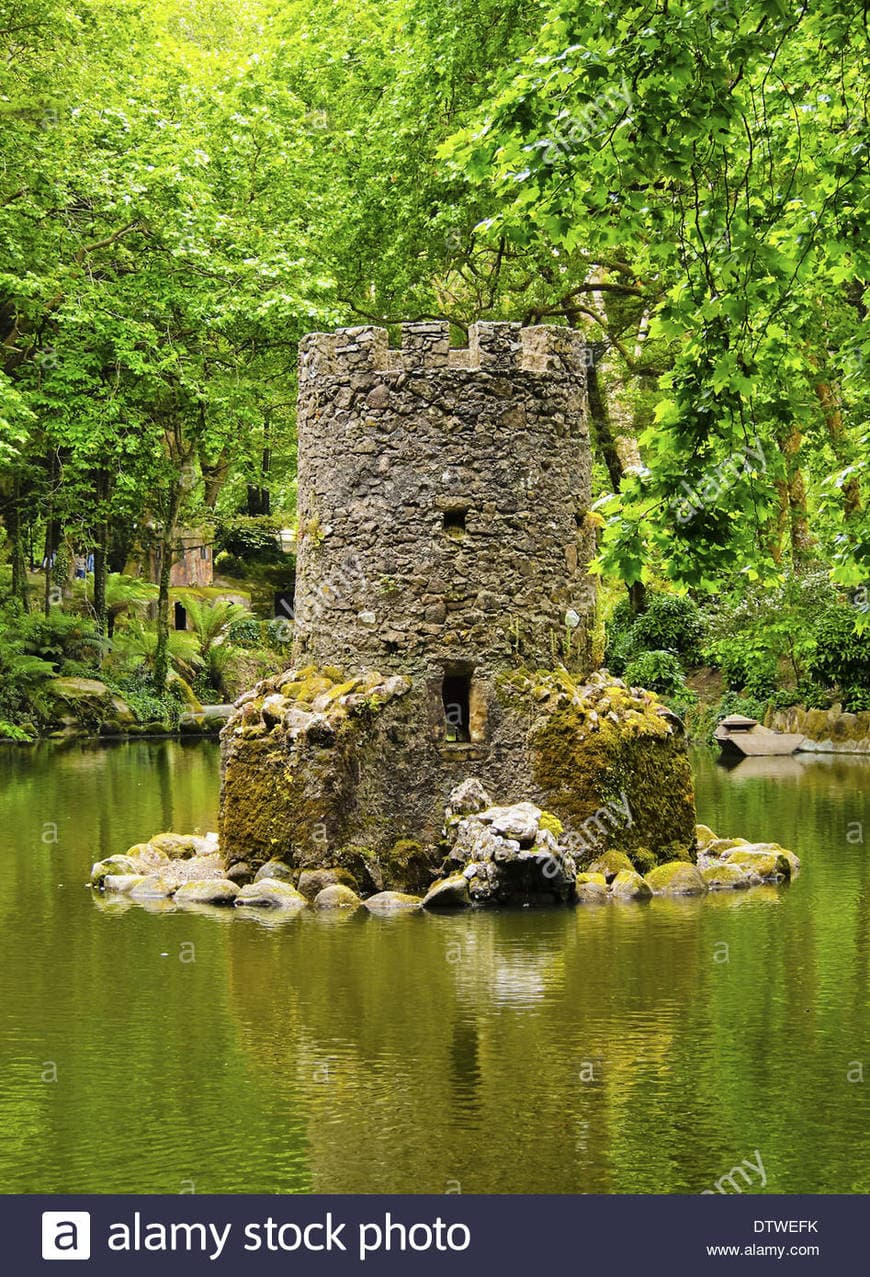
(425, 347)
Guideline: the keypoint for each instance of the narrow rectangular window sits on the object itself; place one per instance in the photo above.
(454, 522)
(456, 694)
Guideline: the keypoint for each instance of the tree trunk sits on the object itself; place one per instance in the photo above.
(16, 545)
(167, 543)
(600, 417)
(101, 551)
(49, 547)
(618, 446)
(799, 527)
(779, 524)
(637, 597)
(214, 476)
(833, 415)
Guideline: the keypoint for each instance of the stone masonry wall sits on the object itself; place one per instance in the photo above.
(442, 500)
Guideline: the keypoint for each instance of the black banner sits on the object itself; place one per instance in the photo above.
(451, 1234)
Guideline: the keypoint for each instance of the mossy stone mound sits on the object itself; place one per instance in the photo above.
(611, 762)
(448, 893)
(628, 885)
(591, 893)
(725, 877)
(207, 891)
(351, 767)
(392, 902)
(676, 878)
(268, 893)
(593, 876)
(337, 896)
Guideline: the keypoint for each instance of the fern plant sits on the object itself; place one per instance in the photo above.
(125, 595)
(135, 645)
(210, 621)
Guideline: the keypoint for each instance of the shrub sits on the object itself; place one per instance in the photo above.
(11, 731)
(230, 564)
(856, 699)
(279, 634)
(148, 704)
(245, 632)
(671, 623)
(60, 636)
(134, 648)
(660, 671)
(125, 595)
(842, 655)
(250, 537)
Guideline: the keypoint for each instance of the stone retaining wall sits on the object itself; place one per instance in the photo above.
(828, 731)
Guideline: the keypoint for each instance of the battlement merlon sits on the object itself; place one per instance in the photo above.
(492, 347)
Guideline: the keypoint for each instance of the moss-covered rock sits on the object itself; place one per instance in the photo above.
(768, 865)
(153, 887)
(240, 873)
(117, 865)
(337, 896)
(725, 877)
(676, 878)
(793, 862)
(207, 891)
(182, 846)
(268, 893)
(717, 846)
(643, 860)
(448, 893)
(312, 881)
(551, 823)
(599, 748)
(123, 884)
(591, 893)
(593, 875)
(704, 835)
(392, 902)
(407, 866)
(628, 885)
(610, 864)
(276, 870)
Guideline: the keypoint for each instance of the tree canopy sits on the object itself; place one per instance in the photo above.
(187, 188)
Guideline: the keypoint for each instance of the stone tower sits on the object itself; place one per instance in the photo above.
(442, 616)
(442, 500)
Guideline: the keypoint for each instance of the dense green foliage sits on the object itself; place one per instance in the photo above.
(669, 622)
(188, 188)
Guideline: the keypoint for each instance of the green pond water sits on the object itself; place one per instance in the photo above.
(610, 1049)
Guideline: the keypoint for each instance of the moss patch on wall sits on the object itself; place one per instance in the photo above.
(610, 761)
